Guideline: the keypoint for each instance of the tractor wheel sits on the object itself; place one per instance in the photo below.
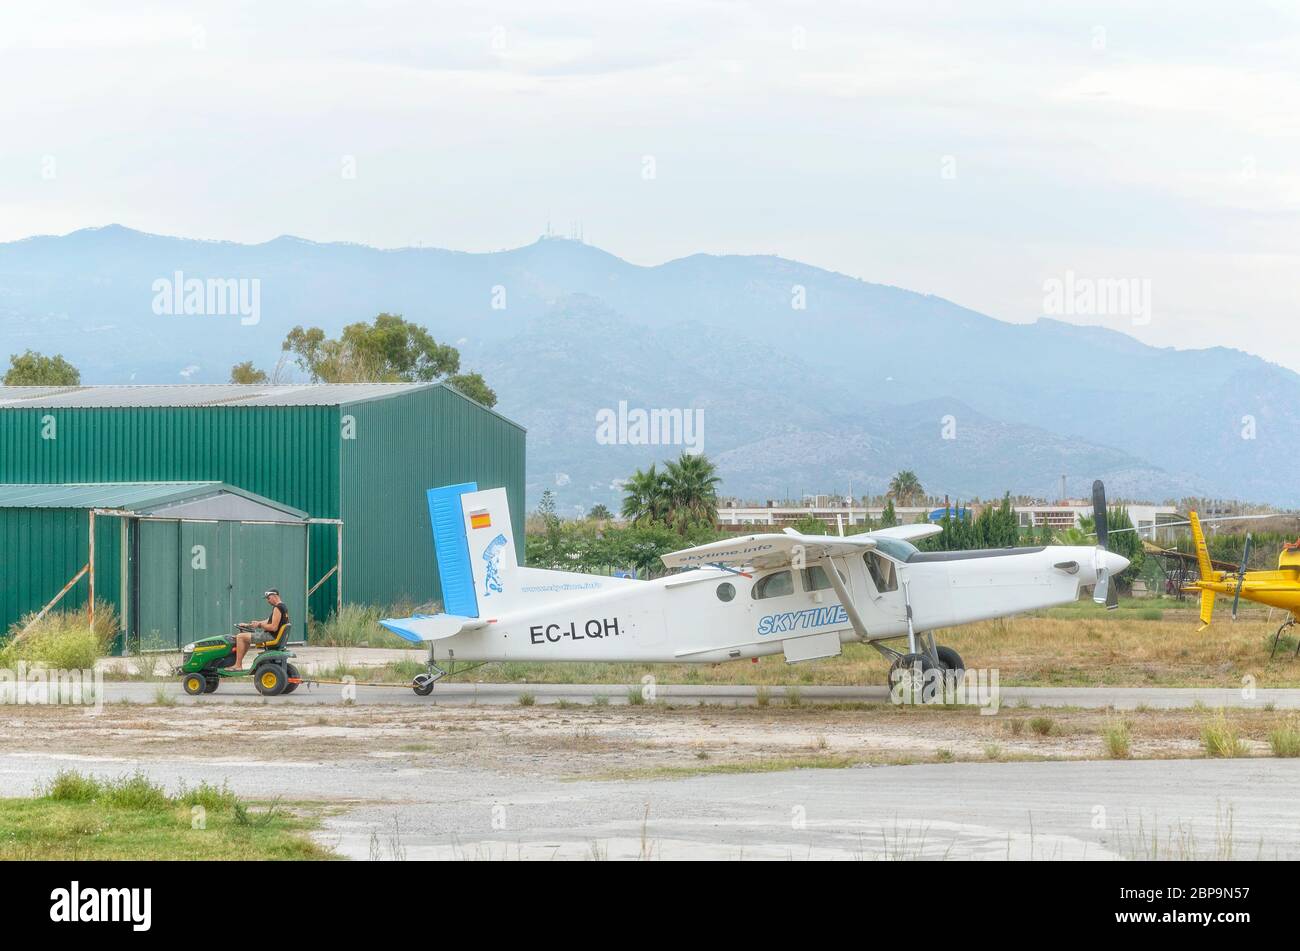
(290, 686)
(269, 680)
(194, 684)
(211, 684)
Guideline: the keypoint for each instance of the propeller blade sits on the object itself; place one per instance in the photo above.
(1112, 597)
(1241, 575)
(1099, 511)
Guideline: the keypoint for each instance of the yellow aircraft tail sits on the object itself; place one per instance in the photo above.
(1202, 552)
(1207, 608)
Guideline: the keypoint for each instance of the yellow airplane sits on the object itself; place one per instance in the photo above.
(1277, 589)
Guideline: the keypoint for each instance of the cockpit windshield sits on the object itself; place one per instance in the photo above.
(896, 548)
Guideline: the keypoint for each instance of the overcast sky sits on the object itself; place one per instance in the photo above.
(970, 150)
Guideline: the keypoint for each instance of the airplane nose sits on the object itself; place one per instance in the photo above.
(1115, 563)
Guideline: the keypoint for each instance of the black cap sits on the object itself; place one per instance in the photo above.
(270, 591)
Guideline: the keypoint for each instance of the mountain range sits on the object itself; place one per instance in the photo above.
(804, 380)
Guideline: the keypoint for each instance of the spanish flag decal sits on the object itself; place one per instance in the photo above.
(480, 519)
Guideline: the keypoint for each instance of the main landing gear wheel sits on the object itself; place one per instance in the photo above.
(292, 683)
(194, 684)
(270, 680)
(423, 685)
(949, 659)
(907, 677)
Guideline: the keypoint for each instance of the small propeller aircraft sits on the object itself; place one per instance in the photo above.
(803, 596)
(1277, 589)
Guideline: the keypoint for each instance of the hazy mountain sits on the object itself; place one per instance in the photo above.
(853, 385)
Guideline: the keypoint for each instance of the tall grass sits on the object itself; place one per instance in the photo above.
(1117, 739)
(62, 640)
(357, 625)
(1220, 738)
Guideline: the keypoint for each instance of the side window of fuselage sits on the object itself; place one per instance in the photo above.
(774, 586)
(816, 579)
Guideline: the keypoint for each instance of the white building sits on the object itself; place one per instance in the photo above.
(1059, 515)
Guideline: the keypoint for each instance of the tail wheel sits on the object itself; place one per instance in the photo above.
(270, 680)
(291, 684)
(194, 684)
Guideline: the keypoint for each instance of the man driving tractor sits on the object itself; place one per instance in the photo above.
(263, 631)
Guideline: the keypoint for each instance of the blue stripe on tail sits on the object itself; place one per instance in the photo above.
(452, 549)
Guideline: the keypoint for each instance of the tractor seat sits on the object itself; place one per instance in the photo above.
(277, 642)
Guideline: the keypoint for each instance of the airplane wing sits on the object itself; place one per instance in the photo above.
(769, 551)
(907, 533)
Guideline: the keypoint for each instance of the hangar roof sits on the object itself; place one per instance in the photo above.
(174, 499)
(203, 394)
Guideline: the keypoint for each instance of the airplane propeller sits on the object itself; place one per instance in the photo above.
(1241, 575)
(1105, 592)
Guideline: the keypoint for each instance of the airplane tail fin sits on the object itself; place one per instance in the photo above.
(474, 544)
(1202, 552)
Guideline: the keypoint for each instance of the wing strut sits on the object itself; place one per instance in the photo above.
(842, 593)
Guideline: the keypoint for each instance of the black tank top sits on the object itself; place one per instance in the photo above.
(284, 614)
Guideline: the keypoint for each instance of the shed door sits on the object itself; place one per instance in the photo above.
(207, 579)
(159, 586)
(271, 555)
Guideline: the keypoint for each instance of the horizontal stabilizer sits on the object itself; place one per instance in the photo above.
(432, 627)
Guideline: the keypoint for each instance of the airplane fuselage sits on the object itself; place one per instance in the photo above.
(713, 614)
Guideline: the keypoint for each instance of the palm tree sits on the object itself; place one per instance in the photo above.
(645, 498)
(692, 489)
(905, 487)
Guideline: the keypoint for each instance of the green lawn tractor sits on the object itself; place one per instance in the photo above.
(207, 662)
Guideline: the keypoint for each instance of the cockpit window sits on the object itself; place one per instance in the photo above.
(883, 571)
(774, 586)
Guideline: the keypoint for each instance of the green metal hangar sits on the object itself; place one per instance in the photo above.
(347, 463)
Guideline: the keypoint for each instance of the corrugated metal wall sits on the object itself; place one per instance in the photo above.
(42, 549)
(403, 446)
(301, 456)
(286, 453)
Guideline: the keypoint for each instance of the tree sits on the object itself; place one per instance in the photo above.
(810, 525)
(247, 373)
(391, 350)
(600, 512)
(691, 482)
(888, 518)
(645, 497)
(36, 369)
(905, 487)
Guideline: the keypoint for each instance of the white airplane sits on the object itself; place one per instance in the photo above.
(801, 595)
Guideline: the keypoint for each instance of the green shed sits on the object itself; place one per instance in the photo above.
(175, 560)
(359, 454)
